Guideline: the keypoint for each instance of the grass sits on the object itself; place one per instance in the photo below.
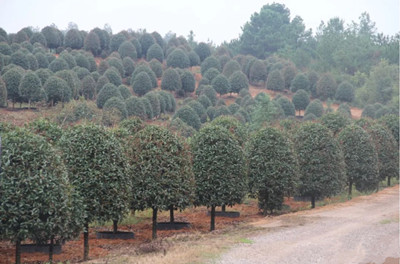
(245, 241)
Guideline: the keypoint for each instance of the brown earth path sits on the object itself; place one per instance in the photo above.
(363, 230)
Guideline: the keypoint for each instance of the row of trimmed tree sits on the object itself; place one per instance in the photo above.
(53, 183)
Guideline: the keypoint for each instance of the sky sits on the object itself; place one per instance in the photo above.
(210, 20)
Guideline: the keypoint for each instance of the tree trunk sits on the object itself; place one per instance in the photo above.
(154, 233)
(223, 208)
(171, 214)
(115, 226)
(18, 252)
(212, 227)
(86, 242)
(312, 201)
(388, 182)
(350, 189)
(51, 247)
(29, 104)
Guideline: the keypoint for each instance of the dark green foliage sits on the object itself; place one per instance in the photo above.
(68, 58)
(12, 79)
(188, 81)
(181, 128)
(263, 111)
(57, 90)
(113, 76)
(38, 37)
(213, 148)
(199, 109)
(258, 73)
(47, 129)
(344, 109)
(210, 74)
(158, 39)
(88, 89)
(335, 122)
(155, 52)
(275, 81)
(178, 59)
(231, 67)
(209, 91)
(233, 108)
(117, 105)
(82, 61)
(369, 111)
(387, 150)
(92, 63)
(321, 162)
(73, 39)
(221, 84)
(360, 158)
(211, 111)
(81, 72)
(109, 90)
(98, 169)
(58, 64)
(103, 66)
(205, 101)
(144, 67)
(221, 110)
(287, 106)
(154, 102)
(19, 58)
(116, 41)
(31, 89)
(171, 81)
(208, 63)
(92, 43)
(52, 37)
(117, 63)
(32, 62)
(50, 208)
(300, 81)
(132, 125)
(313, 79)
(189, 116)
(5, 49)
(146, 40)
(129, 66)
(161, 173)
(156, 67)
(289, 73)
(135, 107)
(301, 99)
(42, 60)
(141, 84)
(223, 60)
(138, 47)
(72, 80)
(103, 80)
(203, 50)
(127, 49)
(194, 59)
(326, 87)
(392, 123)
(272, 168)
(3, 93)
(147, 107)
(233, 126)
(310, 117)
(345, 92)
(238, 81)
(315, 107)
(125, 91)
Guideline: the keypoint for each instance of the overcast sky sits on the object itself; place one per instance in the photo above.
(214, 20)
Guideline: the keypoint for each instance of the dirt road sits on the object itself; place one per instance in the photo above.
(364, 230)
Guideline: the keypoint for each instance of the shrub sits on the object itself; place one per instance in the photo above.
(12, 79)
(28, 160)
(272, 168)
(275, 81)
(171, 80)
(68, 58)
(108, 91)
(205, 101)
(103, 80)
(53, 38)
(73, 39)
(3, 93)
(289, 73)
(155, 52)
(326, 87)
(32, 62)
(116, 41)
(42, 60)
(31, 89)
(125, 91)
(174, 186)
(335, 122)
(221, 84)
(208, 63)
(315, 107)
(194, 59)
(392, 123)
(287, 106)
(156, 67)
(199, 109)
(188, 82)
(178, 59)
(138, 46)
(144, 67)
(231, 67)
(360, 158)
(113, 76)
(146, 40)
(209, 91)
(93, 158)
(135, 107)
(345, 92)
(72, 80)
(118, 105)
(210, 74)
(258, 73)
(181, 128)
(58, 64)
(117, 63)
(141, 84)
(92, 43)
(203, 50)
(189, 116)
(300, 81)
(129, 66)
(19, 58)
(82, 61)
(233, 108)
(88, 88)
(314, 142)
(221, 110)
(238, 81)
(103, 66)
(57, 90)
(154, 102)
(147, 107)
(344, 109)
(216, 187)
(237, 130)
(127, 49)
